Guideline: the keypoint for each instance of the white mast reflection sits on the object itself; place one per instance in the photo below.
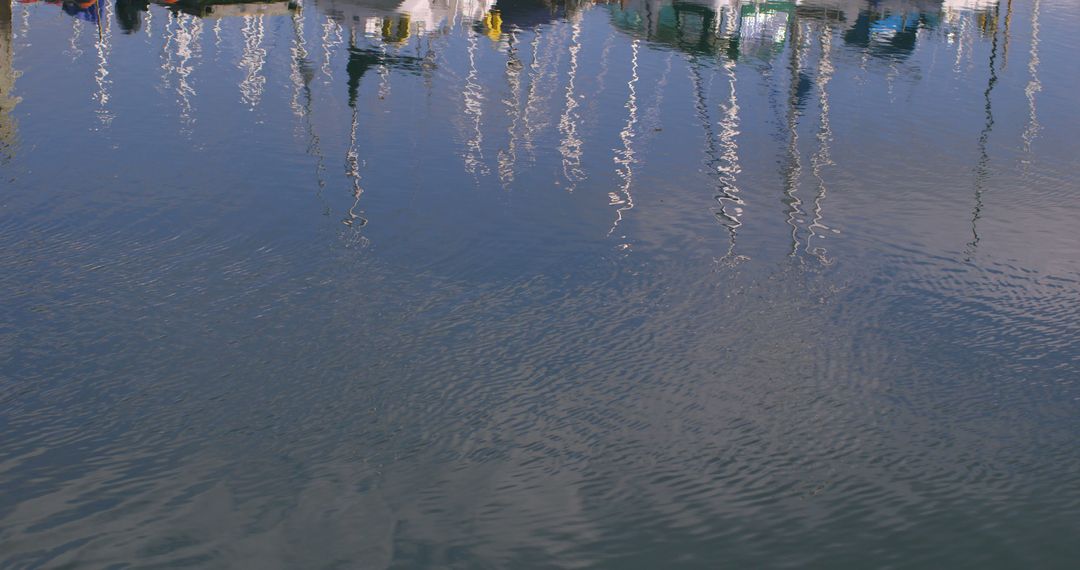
(960, 37)
(301, 74)
(822, 157)
(530, 94)
(252, 61)
(189, 30)
(473, 98)
(298, 61)
(1005, 47)
(1034, 85)
(722, 154)
(24, 23)
(167, 51)
(217, 36)
(793, 172)
(73, 42)
(731, 204)
(625, 159)
(542, 69)
(101, 76)
(331, 39)
(570, 144)
(384, 70)
(507, 159)
(352, 170)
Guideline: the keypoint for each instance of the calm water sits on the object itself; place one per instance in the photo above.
(463, 284)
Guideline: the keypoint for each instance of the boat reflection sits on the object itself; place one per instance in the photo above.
(229, 8)
(129, 14)
(548, 87)
(86, 10)
(398, 20)
(759, 29)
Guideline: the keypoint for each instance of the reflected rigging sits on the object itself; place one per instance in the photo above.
(625, 159)
(1034, 85)
(982, 166)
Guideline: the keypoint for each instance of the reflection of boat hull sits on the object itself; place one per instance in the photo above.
(417, 16)
(759, 29)
(224, 9)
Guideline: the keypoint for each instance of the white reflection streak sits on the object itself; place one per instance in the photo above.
(530, 95)
(331, 39)
(729, 168)
(794, 166)
(1034, 84)
(384, 69)
(299, 55)
(570, 145)
(1005, 47)
(189, 29)
(507, 159)
(352, 170)
(822, 157)
(167, 52)
(149, 27)
(24, 23)
(722, 153)
(101, 76)
(76, 34)
(960, 44)
(538, 94)
(217, 37)
(300, 75)
(252, 60)
(625, 159)
(473, 99)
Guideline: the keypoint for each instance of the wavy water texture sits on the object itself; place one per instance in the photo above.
(531, 284)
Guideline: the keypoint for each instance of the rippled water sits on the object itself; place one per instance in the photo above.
(466, 284)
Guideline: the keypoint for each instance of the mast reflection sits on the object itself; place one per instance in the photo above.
(728, 169)
(551, 70)
(302, 73)
(1034, 85)
(625, 159)
(721, 153)
(798, 88)
(188, 34)
(570, 144)
(252, 61)
(821, 158)
(472, 101)
(507, 158)
(982, 166)
(101, 75)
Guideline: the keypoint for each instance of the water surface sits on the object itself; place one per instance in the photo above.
(361, 284)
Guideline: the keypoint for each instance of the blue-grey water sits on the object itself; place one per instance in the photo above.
(522, 284)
